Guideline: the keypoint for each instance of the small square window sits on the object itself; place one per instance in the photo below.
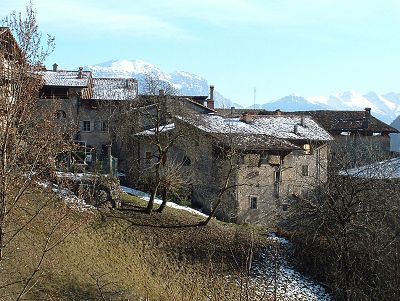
(104, 126)
(61, 115)
(253, 202)
(285, 207)
(86, 126)
(307, 149)
(186, 161)
(148, 157)
(304, 170)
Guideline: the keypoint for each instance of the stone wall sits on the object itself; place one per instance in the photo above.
(273, 185)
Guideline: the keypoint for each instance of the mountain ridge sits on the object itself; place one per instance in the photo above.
(383, 106)
(185, 82)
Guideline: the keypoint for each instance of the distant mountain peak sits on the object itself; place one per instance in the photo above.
(187, 83)
(386, 107)
(122, 65)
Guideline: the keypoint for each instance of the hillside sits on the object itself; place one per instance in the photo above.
(126, 253)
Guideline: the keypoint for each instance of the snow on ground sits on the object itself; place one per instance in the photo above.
(146, 197)
(290, 285)
(68, 197)
(77, 176)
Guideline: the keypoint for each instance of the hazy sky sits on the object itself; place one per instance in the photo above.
(309, 47)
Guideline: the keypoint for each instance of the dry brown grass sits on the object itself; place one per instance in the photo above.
(129, 255)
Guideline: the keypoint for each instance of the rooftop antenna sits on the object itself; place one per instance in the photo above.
(255, 92)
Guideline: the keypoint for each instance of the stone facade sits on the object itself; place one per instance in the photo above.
(86, 106)
(255, 182)
(271, 184)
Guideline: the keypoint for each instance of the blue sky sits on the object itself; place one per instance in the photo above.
(308, 47)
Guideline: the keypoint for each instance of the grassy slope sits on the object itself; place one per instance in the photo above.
(159, 257)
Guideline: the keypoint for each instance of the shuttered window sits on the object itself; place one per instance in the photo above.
(86, 126)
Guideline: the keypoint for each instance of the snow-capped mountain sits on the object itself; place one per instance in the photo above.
(186, 83)
(385, 107)
(292, 102)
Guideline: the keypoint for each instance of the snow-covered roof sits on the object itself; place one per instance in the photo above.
(352, 121)
(283, 127)
(114, 88)
(63, 78)
(388, 169)
(162, 129)
(254, 142)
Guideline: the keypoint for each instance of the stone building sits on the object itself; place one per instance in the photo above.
(254, 164)
(86, 106)
(359, 137)
(157, 129)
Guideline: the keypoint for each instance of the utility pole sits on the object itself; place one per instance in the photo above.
(255, 91)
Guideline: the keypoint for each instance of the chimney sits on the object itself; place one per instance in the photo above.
(367, 112)
(302, 123)
(55, 67)
(161, 92)
(365, 122)
(296, 129)
(210, 101)
(246, 117)
(80, 72)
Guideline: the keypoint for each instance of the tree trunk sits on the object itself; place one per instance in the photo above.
(164, 201)
(153, 195)
(150, 205)
(213, 211)
(2, 224)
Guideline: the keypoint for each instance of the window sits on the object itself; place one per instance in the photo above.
(277, 182)
(307, 149)
(86, 126)
(304, 170)
(285, 207)
(277, 175)
(60, 93)
(104, 126)
(186, 161)
(148, 157)
(264, 158)
(61, 114)
(253, 202)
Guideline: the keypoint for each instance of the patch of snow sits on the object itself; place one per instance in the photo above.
(272, 273)
(77, 176)
(68, 197)
(146, 197)
(162, 129)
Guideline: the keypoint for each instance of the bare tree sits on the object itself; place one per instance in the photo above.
(346, 231)
(155, 164)
(29, 140)
(228, 158)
